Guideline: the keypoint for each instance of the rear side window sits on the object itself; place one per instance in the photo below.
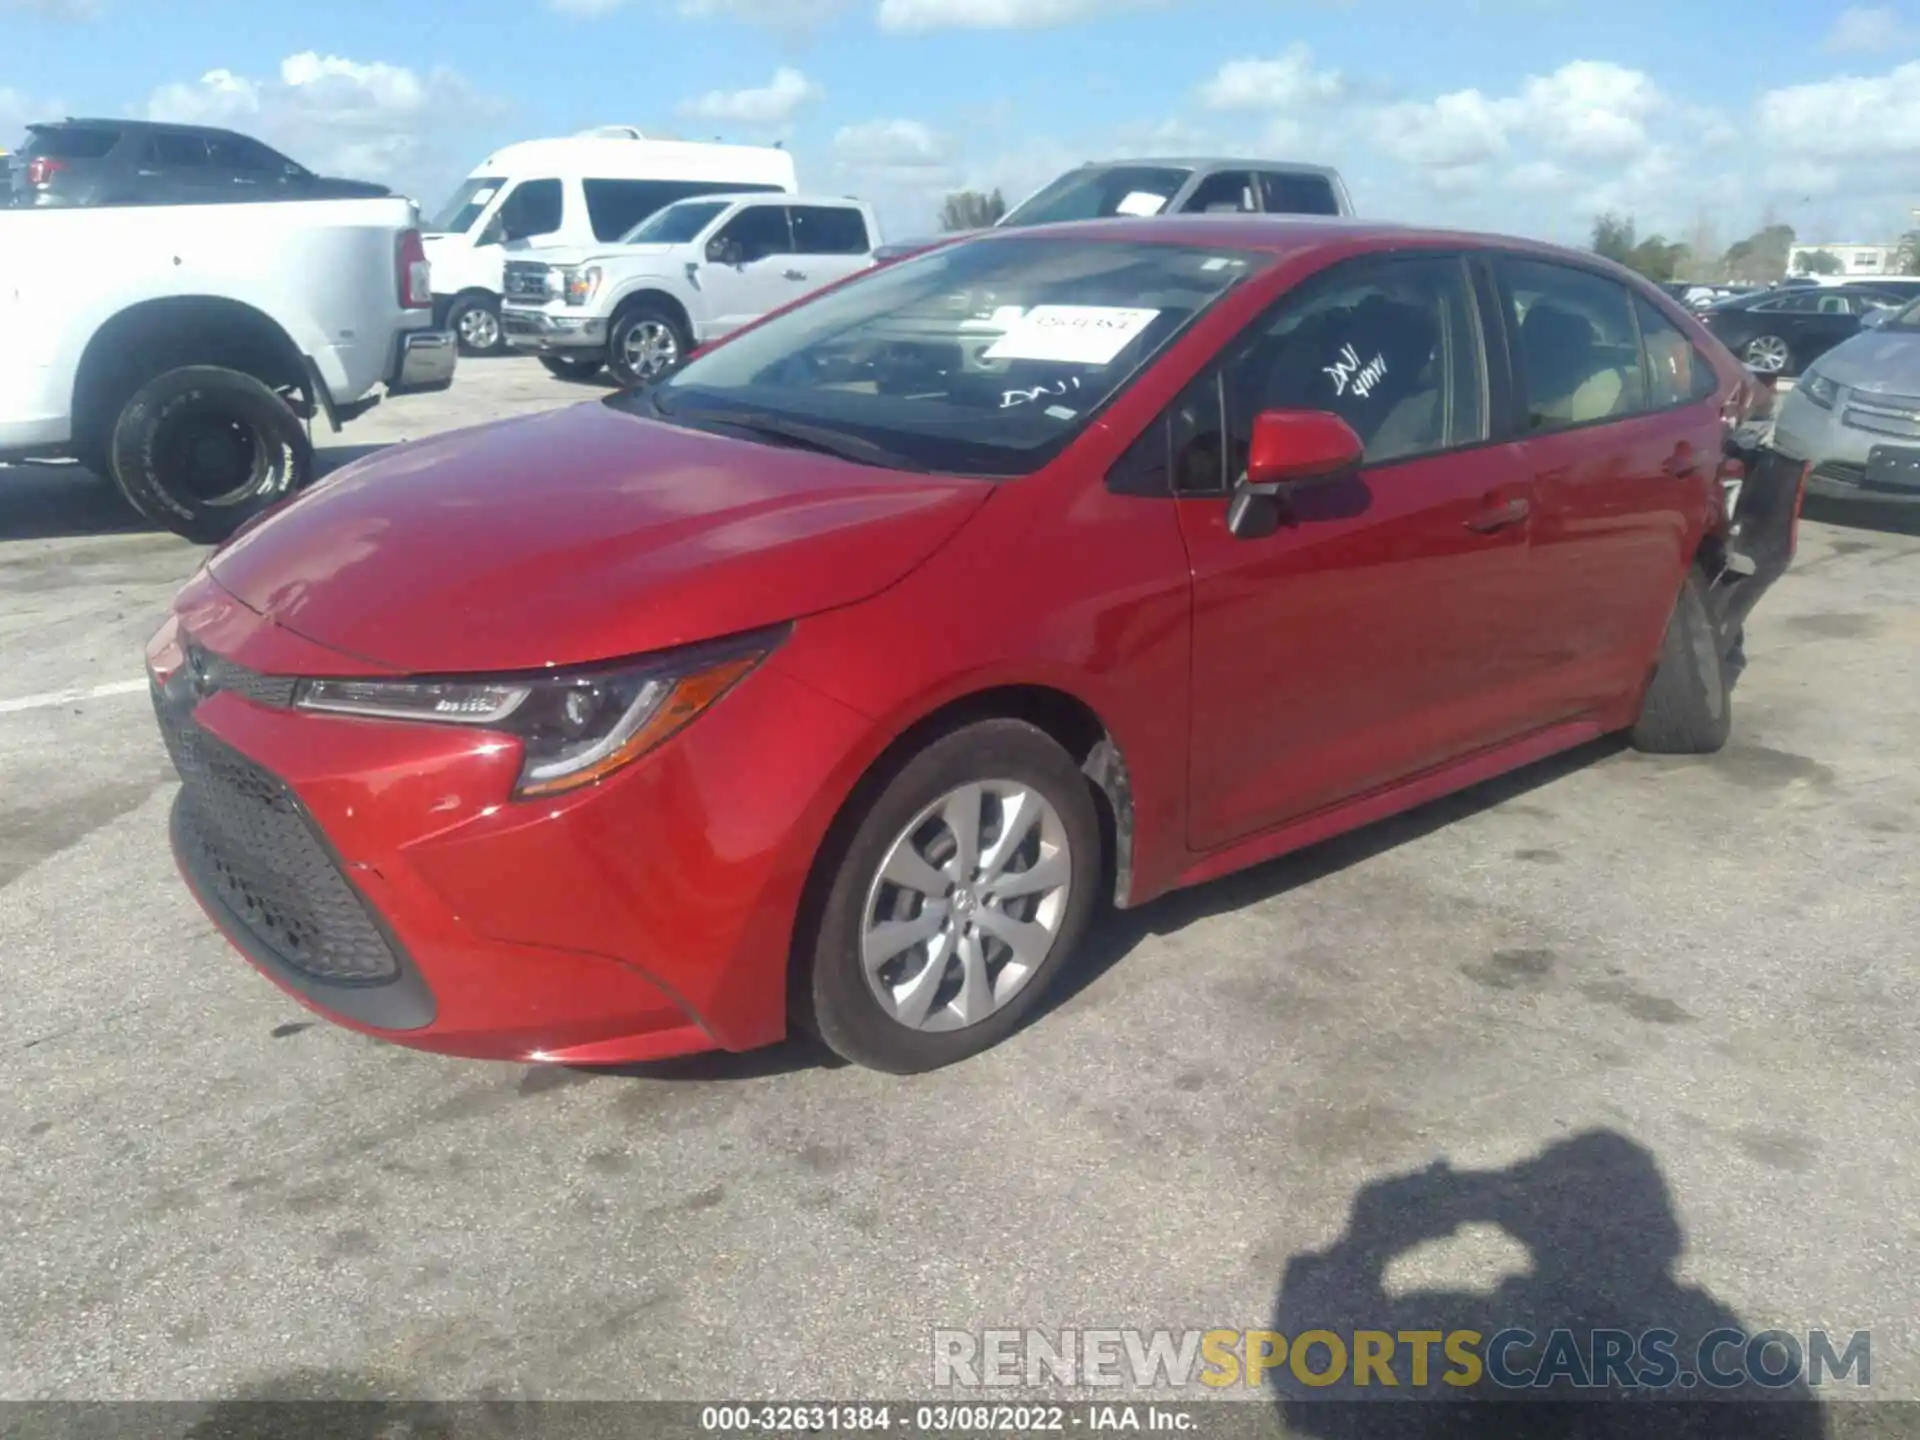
(177, 152)
(1579, 353)
(72, 142)
(615, 206)
(1229, 192)
(828, 230)
(1298, 194)
(1677, 373)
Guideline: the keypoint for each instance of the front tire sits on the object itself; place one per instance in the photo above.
(563, 367)
(962, 893)
(202, 449)
(647, 343)
(475, 322)
(1688, 707)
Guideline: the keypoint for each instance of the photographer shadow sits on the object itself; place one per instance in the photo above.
(1595, 1215)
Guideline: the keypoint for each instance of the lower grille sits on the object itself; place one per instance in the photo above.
(248, 843)
(1840, 472)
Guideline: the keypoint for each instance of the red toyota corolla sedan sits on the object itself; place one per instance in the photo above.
(834, 681)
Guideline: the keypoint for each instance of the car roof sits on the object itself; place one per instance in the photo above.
(1211, 162)
(1282, 234)
(770, 197)
(78, 122)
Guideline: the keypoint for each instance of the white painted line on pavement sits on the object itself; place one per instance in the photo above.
(67, 697)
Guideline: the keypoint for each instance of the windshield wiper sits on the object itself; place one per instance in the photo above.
(817, 438)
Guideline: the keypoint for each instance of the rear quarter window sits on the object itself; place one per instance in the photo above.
(71, 142)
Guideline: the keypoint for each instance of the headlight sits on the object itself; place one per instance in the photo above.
(576, 728)
(1819, 389)
(574, 285)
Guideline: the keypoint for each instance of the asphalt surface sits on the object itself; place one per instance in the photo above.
(1704, 966)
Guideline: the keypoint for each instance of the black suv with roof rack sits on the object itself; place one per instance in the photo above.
(145, 162)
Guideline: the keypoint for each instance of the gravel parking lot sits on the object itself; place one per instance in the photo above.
(207, 1194)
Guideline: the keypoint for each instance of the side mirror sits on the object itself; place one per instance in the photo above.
(1290, 450)
(723, 251)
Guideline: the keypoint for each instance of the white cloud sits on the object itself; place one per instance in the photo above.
(762, 107)
(919, 16)
(1286, 81)
(893, 147)
(55, 9)
(368, 120)
(1847, 117)
(1868, 30)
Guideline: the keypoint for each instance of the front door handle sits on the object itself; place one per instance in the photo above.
(1499, 517)
(1681, 464)
(796, 274)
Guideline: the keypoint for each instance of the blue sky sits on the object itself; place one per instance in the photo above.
(1520, 115)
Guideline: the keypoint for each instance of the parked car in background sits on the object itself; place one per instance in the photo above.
(819, 686)
(203, 340)
(145, 162)
(1855, 415)
(686, 275)
(1781, 331)
(1122, 188)
(577, 191)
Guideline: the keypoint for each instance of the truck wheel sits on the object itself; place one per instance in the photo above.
(201, 450)
(647, 344)
(1688, 707)
(563, 367)
(475, 321)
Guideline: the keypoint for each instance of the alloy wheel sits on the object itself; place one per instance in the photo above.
(1768, 354)
(479, 328)
(967, 905)
(650, 348)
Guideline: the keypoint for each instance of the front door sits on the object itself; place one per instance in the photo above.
(1369, 638)
(747, 270)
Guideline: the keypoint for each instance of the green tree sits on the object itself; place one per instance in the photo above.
(972, 210)
(1655, 257)
(1762, 256)
(1613, 237)
(1817, 262)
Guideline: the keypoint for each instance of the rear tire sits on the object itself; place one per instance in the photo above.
(1769, 354)
(1688, 707)
(201, 450)
(1041, 892)
(562, 367)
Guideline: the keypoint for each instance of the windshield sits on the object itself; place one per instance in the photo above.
(456, 217)
(1100, 194)
(982, 358)
(1906, 317)
(675, 225)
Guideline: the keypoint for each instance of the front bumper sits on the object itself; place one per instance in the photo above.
(380, 873)
(542, 331)
(1837, 451)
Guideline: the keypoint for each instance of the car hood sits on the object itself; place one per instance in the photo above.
(580, 535)
(1880, 362)
(592, 255)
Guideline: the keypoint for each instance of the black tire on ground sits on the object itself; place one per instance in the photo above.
(202, 449)
(475, 322)
(1688, 707)
(833, 999)
(674, 336)
(565, 367)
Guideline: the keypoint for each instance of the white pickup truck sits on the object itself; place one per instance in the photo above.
(690, 273)
(184, 350)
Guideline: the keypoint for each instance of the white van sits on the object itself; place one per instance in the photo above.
(582, 189)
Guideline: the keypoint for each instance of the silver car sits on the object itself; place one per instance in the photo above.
(1854, 415)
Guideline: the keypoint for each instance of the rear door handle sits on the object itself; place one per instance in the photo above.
(1499, 517)
(796, 274)
(1681, 464)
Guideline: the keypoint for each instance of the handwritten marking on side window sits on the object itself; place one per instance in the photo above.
(1348, 373)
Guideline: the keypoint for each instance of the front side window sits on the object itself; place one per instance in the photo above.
(465, 206)
(675, 225)
(983, 358)
(754, 234)
(530, 210)
(1677, 373)
(1101, 193)
(177, 152)
(247, 157)
(1579, 352)
(828, 230)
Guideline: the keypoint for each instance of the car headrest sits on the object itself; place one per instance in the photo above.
(1559, 345)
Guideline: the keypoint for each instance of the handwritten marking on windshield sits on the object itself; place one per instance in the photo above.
(1011, 398)
(1347, 372)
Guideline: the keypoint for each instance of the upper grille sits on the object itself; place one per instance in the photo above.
(249, 844)
(1897, 415)
(526, 280)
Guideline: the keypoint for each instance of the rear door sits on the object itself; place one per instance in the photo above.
(830, 242)
(1620, 430)
(1369, 638)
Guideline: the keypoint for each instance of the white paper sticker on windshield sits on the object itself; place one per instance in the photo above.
(1071, 334)
(1141, 202)
(481, 197)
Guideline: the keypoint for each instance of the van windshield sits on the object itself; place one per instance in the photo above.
(456, 217)
(675, 225)
(1100, 193)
